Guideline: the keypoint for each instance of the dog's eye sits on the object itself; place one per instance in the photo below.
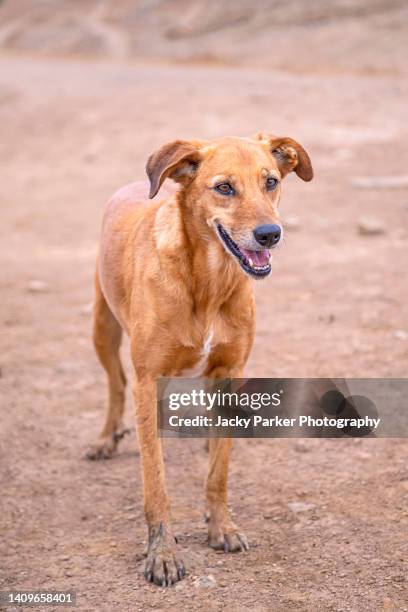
(271, 183)
(225, 189)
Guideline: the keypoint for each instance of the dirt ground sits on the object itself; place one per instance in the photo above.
(73, 131)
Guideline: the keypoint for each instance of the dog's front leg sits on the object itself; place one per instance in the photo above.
(162, 565)
(222, 532)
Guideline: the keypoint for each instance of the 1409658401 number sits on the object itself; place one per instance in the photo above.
(20, 598)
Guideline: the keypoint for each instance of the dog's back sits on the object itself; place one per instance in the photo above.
(128, 213)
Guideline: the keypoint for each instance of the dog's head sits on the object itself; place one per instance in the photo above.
(234, 185)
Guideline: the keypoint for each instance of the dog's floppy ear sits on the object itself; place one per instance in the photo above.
(178, 160)
(289, 155)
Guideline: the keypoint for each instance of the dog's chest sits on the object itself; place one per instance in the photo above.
(201, 357)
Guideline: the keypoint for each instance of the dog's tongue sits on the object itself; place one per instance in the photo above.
(259, 258)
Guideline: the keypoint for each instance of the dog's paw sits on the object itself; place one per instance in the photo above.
(103, 449)
(226, 537)
(106, 446)
(163, 567)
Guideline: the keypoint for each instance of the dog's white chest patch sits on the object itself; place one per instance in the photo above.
(200, 366)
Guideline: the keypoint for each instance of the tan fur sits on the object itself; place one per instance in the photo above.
(164, 277)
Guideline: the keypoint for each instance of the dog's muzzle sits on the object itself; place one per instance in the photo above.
(255, 263)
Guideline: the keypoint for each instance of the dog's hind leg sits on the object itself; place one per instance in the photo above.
(107, 335)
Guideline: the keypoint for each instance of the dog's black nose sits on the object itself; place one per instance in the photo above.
(267, 235)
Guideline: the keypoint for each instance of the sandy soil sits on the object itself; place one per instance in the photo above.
(72, 132)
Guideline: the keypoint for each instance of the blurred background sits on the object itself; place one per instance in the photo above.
(359, 36)
(88, 90)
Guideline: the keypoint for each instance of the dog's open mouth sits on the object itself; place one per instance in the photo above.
(255, 263)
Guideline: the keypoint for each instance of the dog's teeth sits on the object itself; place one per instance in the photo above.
(251, 263)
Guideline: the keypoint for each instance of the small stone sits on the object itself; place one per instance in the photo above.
(66, 367)
(301, 447)
(205, 582)
(370, 227)
(297, 507)
(400, 334)
(86, 309)
(179, 586)
(380, 182)
(291, 224)
(37, 286)
(398, 578)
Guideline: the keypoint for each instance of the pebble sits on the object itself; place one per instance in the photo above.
(66, 367)
(370, 227)
(37, 286)
(292, 224)
(380, 182)
(301, 447)
(398, 578)
(205, 582)
(297, 507)
(400, 334)
(179, 586)
(86, 309)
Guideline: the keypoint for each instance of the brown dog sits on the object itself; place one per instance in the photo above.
(176, 274)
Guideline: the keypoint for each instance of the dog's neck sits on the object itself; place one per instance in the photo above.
(211, 273)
